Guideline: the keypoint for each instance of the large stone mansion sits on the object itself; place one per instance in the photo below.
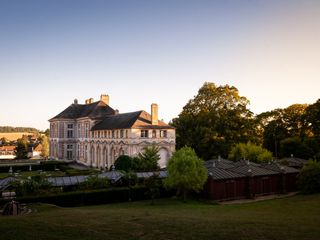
(94, 134)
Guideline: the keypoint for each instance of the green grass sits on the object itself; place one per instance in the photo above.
(293, 218)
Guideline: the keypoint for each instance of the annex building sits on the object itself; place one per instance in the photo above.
(95, 134)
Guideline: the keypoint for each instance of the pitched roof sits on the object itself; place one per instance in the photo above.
(220, 173)
(279, 168)
(93, 110)
(293, 161)
(139, 119)
(7, 148)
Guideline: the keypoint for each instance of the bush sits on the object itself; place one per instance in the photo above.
(309, 178)
(94, 182)
(34, 185)
(71, 199)
(124, 163)
(250, 152)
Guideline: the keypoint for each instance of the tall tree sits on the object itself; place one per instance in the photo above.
(313, 117)
(214, 120)
(186, 172)
(21, 150)
(45, 146)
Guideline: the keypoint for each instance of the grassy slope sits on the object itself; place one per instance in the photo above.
(290, 218)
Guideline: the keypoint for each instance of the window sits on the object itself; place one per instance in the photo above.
(163, 133)
(121, 133)
(87, 130)
(127, 134)
(154, 133)
(79, 132)
(112, 134)
(70, 131)
(69, 151)
(144, 133)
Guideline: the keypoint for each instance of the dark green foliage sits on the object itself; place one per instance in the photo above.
(124, 163)
(78, 198)
(309, 178)
(94, 182)
(35, 185)
(186, 172)
(250, 152)
(295, 147)
(8, 129)
(215, 120)
(21, 150)
(153, 185)
(313, 117)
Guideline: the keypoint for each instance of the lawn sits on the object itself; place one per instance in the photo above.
(295, 217)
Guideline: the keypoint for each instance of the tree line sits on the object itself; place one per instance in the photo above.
(9, 129)
(218, 118)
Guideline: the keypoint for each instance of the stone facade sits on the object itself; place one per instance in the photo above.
(95, 135)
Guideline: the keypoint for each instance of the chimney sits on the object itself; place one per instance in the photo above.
(90, 100)
(87, 101)
(116, 112)
(154, 114)
(75, 101)
(104, 98)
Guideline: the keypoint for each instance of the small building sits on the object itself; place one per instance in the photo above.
(35, 152)
(229, 180)
(7, 152)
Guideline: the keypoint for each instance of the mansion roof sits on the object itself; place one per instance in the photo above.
(109, 118)
(139, 119)
(94, 110)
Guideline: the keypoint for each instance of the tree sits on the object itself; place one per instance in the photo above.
(214, 120)
(294, 146)
(313, 117)
(21, 150)
(124, 163)
(45, 146)
(309, 178)
(186, 172)
(250, 152)
(3, 141)
(148, 159)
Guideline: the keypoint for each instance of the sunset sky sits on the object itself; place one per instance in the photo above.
(140, 52)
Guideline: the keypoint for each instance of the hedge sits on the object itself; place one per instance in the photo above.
(93, 197)
(44, 166)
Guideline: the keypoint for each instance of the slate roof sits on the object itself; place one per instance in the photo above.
(293, 162)
(139, 119)
(279, 168)
(94, 110)
(119, 121)
(220, 173)
(6, 182)
(224, 169)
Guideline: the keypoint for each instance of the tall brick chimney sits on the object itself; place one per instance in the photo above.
(104, 98)
(154, 114)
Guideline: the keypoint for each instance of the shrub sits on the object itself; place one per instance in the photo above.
(250, 152)
(309, 178)
(95, 182)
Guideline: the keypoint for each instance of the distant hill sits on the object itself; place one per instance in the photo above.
(8, 129)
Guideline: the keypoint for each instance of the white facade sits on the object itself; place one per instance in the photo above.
(73, 139)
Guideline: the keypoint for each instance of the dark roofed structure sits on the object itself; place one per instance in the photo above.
(124, 120)
(96, 110)
(139, 119)
(229, 180)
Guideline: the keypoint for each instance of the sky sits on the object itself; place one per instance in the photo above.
(154, 51)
